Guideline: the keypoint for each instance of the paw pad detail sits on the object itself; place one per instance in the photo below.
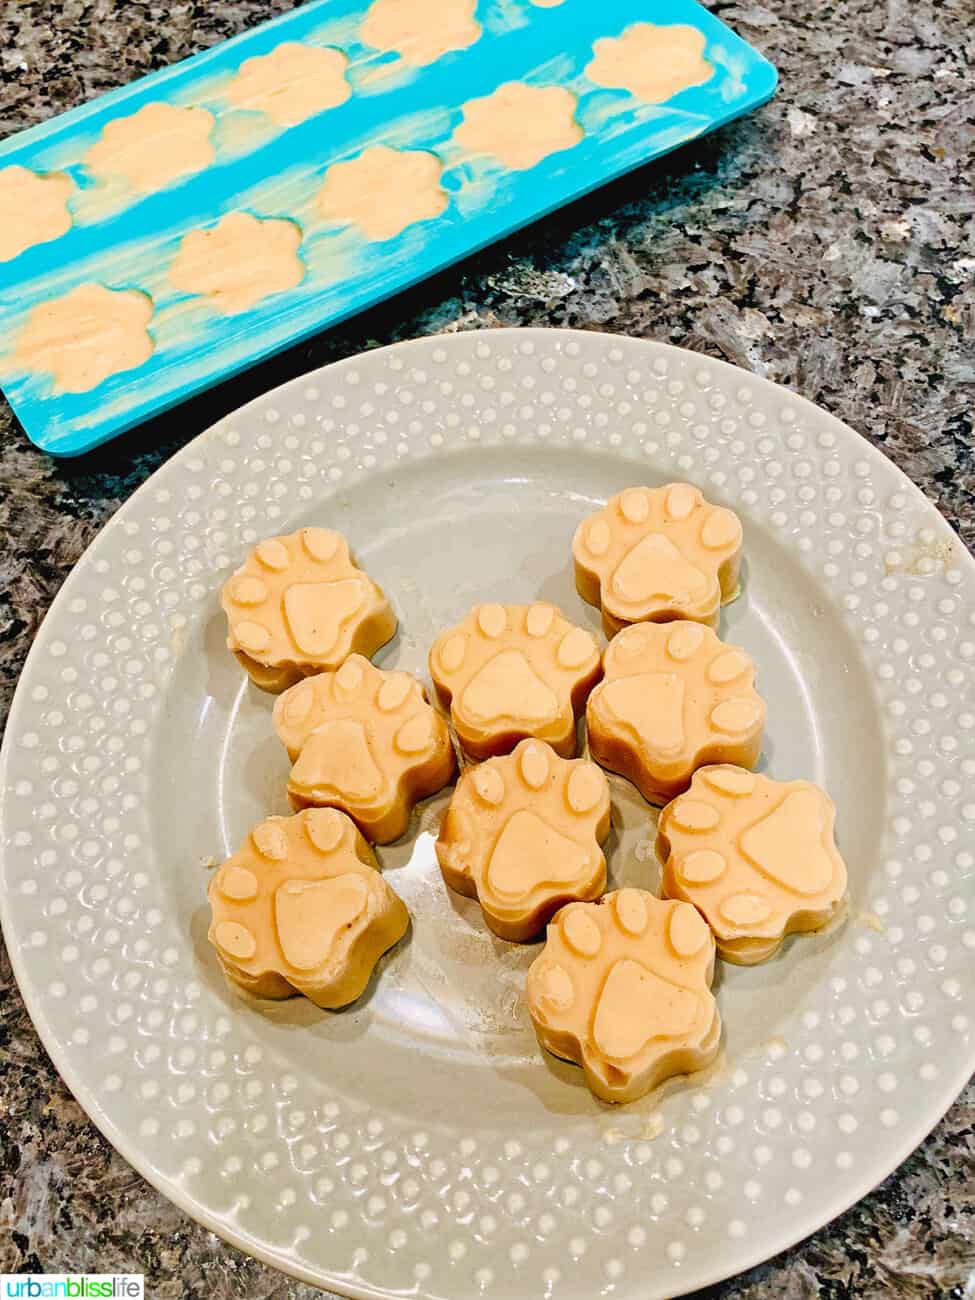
(302, 908)
(522, 835)
(757, 857)
(673, 698)
(622, 988)
(654, 554)
(365, 741)
(508, 672)
(299, 605)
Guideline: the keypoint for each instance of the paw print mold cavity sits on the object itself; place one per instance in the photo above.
(673, 698)
(655, 554)
(239, 261)
(508, 672)
(519, 125)
(653, 63)
(522, 835)
(292, 83)
(383, 190)
(622, 988)
(299, 605)
(302, 908)
(420, 33)
(757, 857)
(86, 336)
(154, 147)
(365, 741)
(33, 209)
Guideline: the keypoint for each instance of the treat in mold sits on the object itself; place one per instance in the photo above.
(154, 147)
(292, 83)
(519, 125)
(418, 31)
(86, 336)
(382, 191)
(33, 209)
(652, 62)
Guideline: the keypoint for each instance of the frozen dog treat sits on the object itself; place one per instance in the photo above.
(302, 908)
(673, 698)
(508, 672)
(299, 605)
(365, 741)
(622, 988)
(522, 835)
(755, 856)
(655, 554)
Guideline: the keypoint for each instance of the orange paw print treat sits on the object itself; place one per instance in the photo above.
(365, 741)
(673, 697)
(622, 988)
(302, 908)
(522, 835)
(655, 554)
(508, 672)
(299, 605)
(757, 858)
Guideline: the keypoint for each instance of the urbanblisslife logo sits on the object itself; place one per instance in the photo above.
(76, 1286)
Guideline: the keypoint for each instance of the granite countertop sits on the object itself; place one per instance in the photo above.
(825, 242)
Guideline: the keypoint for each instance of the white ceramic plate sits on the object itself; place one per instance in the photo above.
(419, 1143)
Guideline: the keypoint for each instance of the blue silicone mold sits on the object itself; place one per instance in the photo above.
(125, 241)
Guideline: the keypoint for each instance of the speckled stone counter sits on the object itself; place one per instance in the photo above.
(825, 242)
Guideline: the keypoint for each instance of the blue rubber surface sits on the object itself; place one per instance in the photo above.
(124, 241)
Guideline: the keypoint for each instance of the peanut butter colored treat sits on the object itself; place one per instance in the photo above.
(365, 741)
(655, 554)
(299, 605)
(512, 671)
(153, 147)
(420, 33)
(302, 908)
(522, 836)
(755, 856)
(653, 63)
(622, 988)
(291, 83)
(673, 697)
(518, 125)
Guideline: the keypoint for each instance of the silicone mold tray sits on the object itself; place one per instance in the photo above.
(180, 340)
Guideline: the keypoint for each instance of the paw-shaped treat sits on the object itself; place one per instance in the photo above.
(511, 671)
(757, 858)
(299, 605)
(673, 697)
(365, 741)
(302, 908)
(622, 988)
(654, 554)
(522, 835)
